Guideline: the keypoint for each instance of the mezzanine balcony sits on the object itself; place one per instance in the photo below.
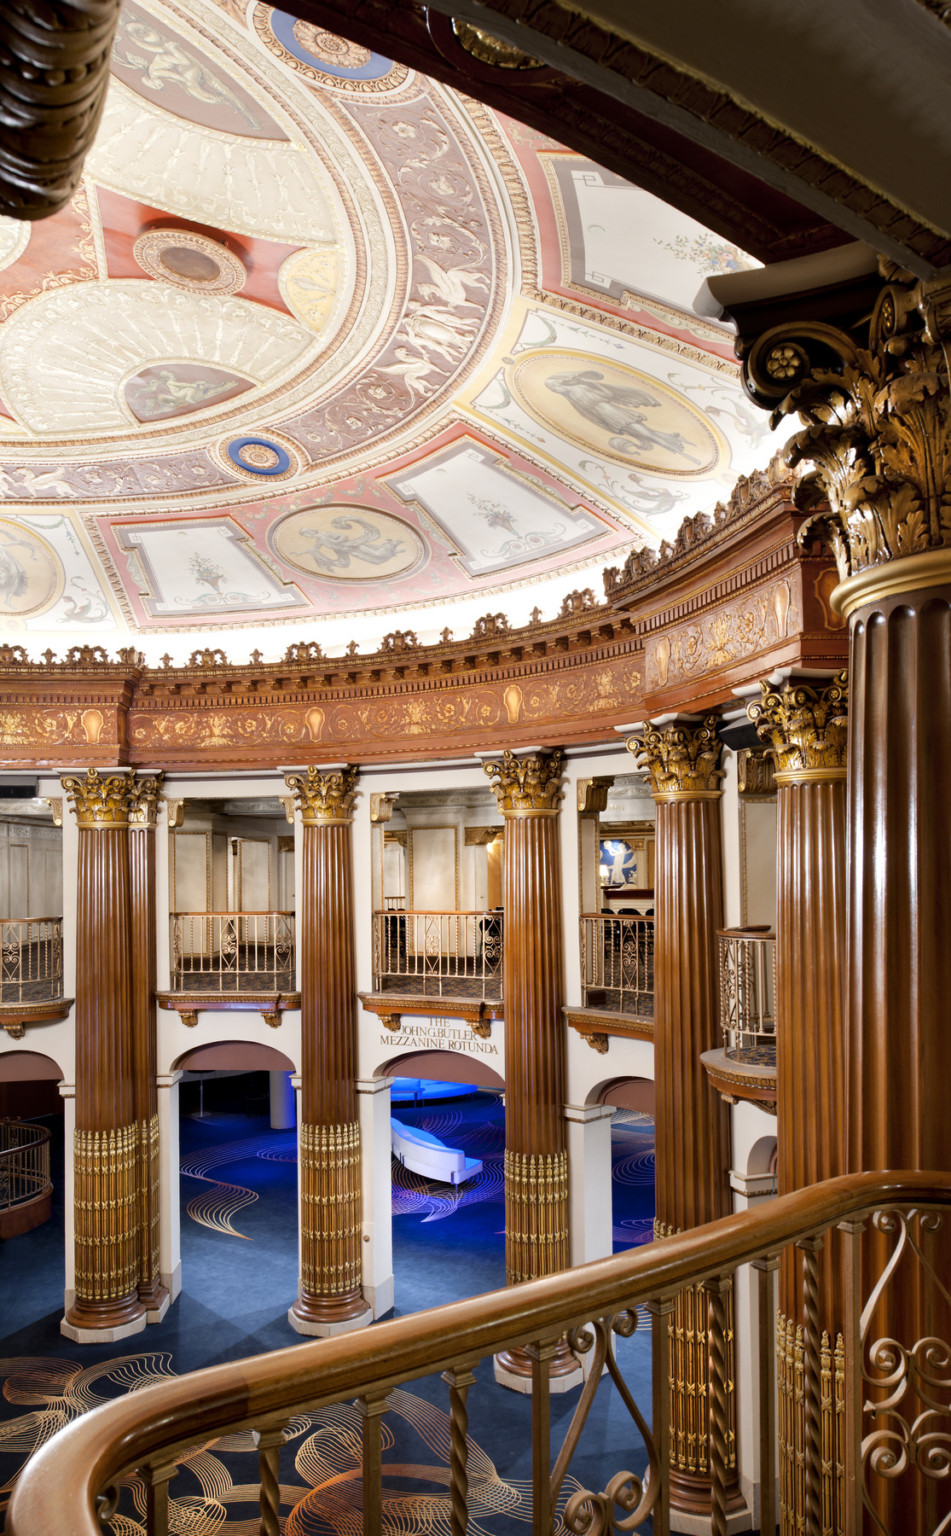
(31, 972)
(745, 1066)
(232, 960)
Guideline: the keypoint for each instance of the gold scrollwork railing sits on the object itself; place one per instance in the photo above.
(233, 952)
(24, 1163)
(891, 1387)
(748, 994)
(31, 959)
(617, 962)
(440, 954)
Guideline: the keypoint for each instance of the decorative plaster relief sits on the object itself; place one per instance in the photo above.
(736, 630)
(202, 567)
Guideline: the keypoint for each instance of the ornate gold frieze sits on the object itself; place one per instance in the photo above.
(528, 784)
(536, 1214)
(99, 801)
(324, 794)
(683, 759)
(331, 1263)
(878, 422)
(106, 1212)
(144, 799)
(806, 726)
(791, 1432)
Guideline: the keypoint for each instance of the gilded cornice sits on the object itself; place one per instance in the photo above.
(806, 726)
(144, 795)
(527, 785)
(324, 796)
(877, 414)
(99, 801)
(683, 759)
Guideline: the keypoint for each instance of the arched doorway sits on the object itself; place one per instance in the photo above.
(632, 1160)
(448, 1195)
(34, 1192)
(235, 1177)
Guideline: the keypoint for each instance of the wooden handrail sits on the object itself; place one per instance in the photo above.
(274, 912)
(58, 1489)
(439, 912)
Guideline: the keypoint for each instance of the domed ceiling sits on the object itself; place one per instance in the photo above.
(322, 349)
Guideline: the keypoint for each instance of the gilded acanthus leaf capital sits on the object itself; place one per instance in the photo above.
(99, 800)
(806, 726)
(527, 785)
(682, 758)
(324, 795)
(144, 799)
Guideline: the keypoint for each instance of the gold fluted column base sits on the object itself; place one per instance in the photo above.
(152, 1293)
(536, 1244)
(791, 1377)
(106, 1215)
(330, 1299)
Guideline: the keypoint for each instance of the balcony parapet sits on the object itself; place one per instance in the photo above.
(31, 973)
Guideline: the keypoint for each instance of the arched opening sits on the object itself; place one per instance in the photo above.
(32, 1192)
(237, 1167)
(448, 1194)
(632, 1160)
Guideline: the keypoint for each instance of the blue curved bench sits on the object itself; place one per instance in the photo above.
(424, 1153)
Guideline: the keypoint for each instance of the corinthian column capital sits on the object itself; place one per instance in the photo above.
(806, 727)
(682, 758)
(324, 796)
(528, 784)
(144, 799)
(99, 800)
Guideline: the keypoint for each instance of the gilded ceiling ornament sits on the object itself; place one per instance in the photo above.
(324, 795)
(144, 798)
(806, 726)
(683, 759)
(99, 802)
(877, 441)
(528, 785)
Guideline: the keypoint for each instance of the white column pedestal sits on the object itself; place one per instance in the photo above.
(373, 1099)
(170, 1221)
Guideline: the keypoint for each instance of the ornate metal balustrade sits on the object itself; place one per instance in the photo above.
(31, 959)
(748, 995)
(438, 954)
(25, 1186)
(233, 952)
(617, 962)
(894, 1393)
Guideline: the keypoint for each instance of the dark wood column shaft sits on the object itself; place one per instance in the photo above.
(329, 1293)
(106, 1149)
(145, 793)
(693, 1126)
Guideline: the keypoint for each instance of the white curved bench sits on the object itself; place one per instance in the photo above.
(424, 1153)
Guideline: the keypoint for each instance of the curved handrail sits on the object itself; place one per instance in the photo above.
(59, 1487)
(40, 1135)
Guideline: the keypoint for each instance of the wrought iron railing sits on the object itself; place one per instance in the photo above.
(890, 1401)
(617, 962)
(233, 952)
(31, 959)
(748, 994)
(440, 954)
(24, 1163)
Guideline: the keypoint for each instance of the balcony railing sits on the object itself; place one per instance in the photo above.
(233, 952)
(834, 1433)
(31, 959)
(617, 962)
(25, 1186)
(748, 995)
(438, 954)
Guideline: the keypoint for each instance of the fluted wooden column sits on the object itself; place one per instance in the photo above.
(693, 1127)
(528, 789)
(144, 792)
(806, 725)
(106, 1145)
(330, 1299)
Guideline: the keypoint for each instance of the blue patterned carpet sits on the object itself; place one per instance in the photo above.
(239, 1253)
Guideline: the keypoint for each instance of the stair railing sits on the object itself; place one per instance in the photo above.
(73, 1482)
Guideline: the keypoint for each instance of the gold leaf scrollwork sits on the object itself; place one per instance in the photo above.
(528, 785)
(324, 795)
(683, 760)
(806, 726)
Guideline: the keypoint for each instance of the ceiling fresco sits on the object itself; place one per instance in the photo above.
(318, 343)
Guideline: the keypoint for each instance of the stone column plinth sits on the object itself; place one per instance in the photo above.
(106, 1144)
(330, 1298)
(528, 790)
(693, 1128)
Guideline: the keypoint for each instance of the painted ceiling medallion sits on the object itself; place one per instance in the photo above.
(188, 260)
(347, 543)
(324, 57)
(158, 393)
(260, 457)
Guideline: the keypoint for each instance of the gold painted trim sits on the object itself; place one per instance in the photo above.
(667, 796)
(524, 815)
(810, 775)
(931, 568)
